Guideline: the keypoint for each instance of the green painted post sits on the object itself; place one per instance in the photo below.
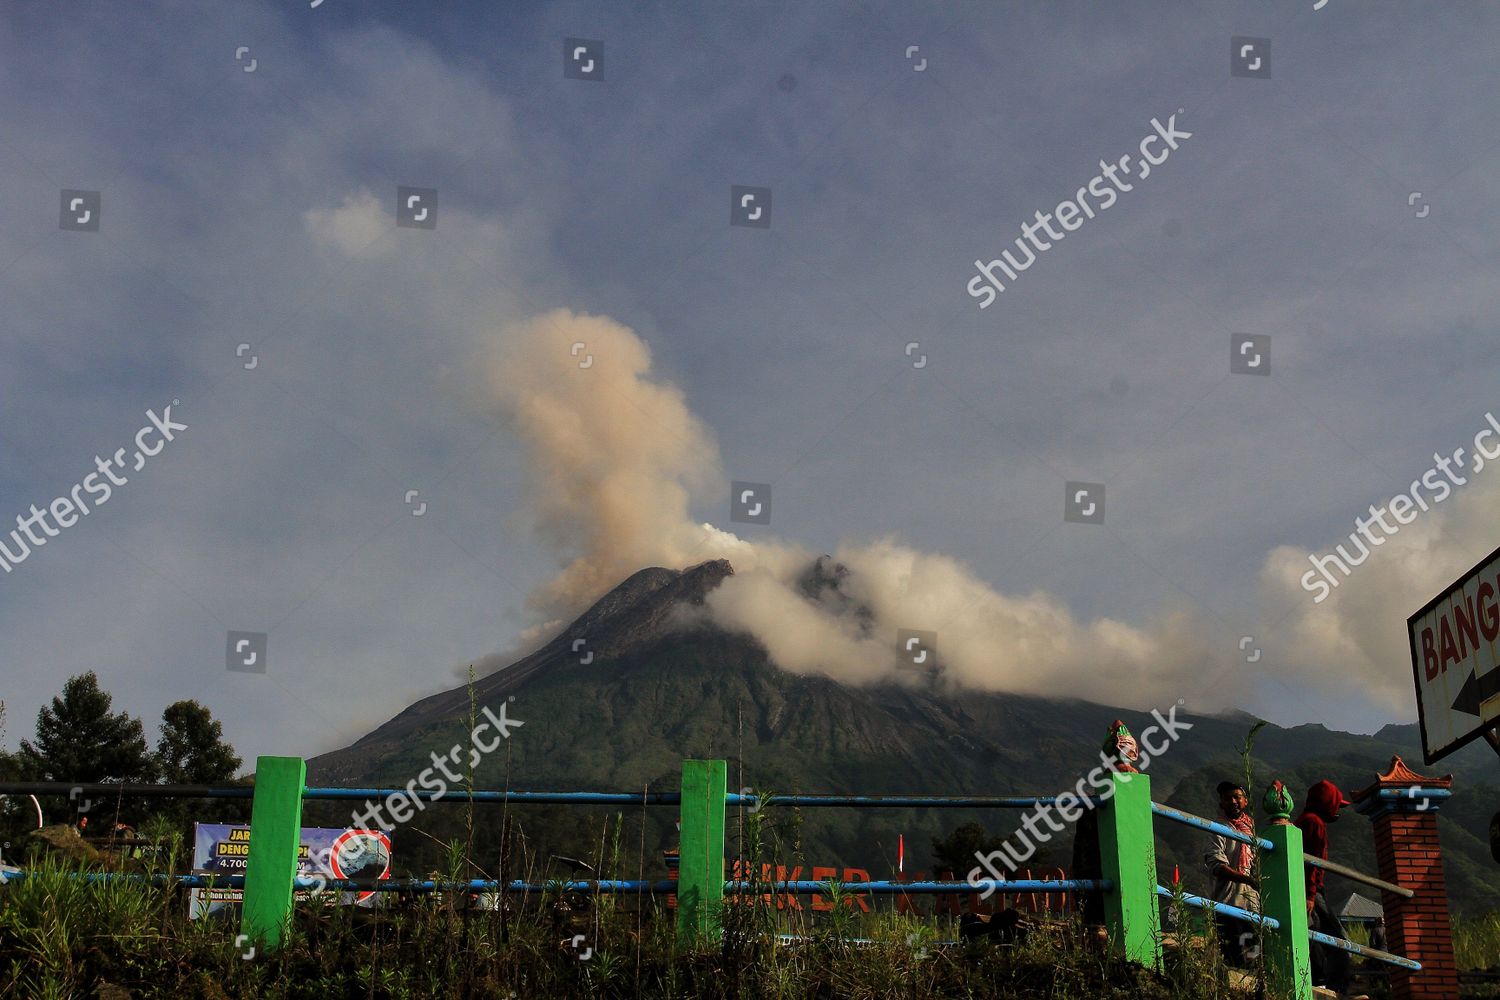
(1283, 896)
(700, 868)
(275, 836)
(1127, 855)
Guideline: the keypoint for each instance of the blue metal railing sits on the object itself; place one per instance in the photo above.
(604, 886)
(495, 795)
(1204, 903)
(748, 798)
(1365, 950)
(1188, 819)
(200, 881)
(898, 801)
(885, 887)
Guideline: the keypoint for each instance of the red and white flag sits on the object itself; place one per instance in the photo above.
(900, 853)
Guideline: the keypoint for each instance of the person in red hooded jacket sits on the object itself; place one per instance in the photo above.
(1330, 966)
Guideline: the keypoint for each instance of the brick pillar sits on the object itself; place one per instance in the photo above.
(1403, 807)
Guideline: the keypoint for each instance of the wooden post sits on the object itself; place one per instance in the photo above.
(275, 836)
(1127, 856)
(1283, 897)
(700, 874)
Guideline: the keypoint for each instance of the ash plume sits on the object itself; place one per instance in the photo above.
(617, 460)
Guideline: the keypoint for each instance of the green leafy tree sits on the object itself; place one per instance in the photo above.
(79, 739)
(15, 811)
(191, 750)
(10, 768)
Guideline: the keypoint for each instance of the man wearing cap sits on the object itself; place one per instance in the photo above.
(1231, 865)
(1330, 966)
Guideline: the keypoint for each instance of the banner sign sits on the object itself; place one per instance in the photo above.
(222, 849)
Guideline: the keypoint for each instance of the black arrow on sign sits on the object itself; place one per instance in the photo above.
(1475, 690)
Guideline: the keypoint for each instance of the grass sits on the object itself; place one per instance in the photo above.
(64, 937)
(1476, 942)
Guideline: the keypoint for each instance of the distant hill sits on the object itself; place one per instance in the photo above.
(659, 688)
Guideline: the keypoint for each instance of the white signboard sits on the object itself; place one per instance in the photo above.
(1454, 645)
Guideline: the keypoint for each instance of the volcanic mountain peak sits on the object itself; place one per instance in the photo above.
(824, 582)
(641, 603)
(634, 614)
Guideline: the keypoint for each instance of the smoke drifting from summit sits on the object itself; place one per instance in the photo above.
(617, 460)
(986, 640)
(614, 457)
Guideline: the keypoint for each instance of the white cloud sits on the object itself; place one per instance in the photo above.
(1355, 641)
(357, 228)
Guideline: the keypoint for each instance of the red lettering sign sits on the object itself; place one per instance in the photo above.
(1446, 643)
(1489, 614)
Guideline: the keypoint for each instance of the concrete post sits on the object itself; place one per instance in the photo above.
(1283, 897)
(700, 874)
(275, 836)
(1127, 856)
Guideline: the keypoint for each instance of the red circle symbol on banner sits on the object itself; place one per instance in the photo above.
(358, 851)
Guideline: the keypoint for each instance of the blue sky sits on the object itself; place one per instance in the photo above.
(259, 208)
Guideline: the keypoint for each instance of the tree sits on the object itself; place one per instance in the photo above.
(79, 739)
(9, 766)
(958, 851)
(191, 750)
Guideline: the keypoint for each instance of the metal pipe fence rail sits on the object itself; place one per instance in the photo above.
(1126, 883)
(125, 790)
(897, 801)
(109, 789)
(1355, 948)
(1223, 909)
(1357, 876)
(601, 886)
(1188, 819)
(1248, 917)
(395, 885)
(888, 888)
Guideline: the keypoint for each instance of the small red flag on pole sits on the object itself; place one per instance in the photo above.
(900, 853)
